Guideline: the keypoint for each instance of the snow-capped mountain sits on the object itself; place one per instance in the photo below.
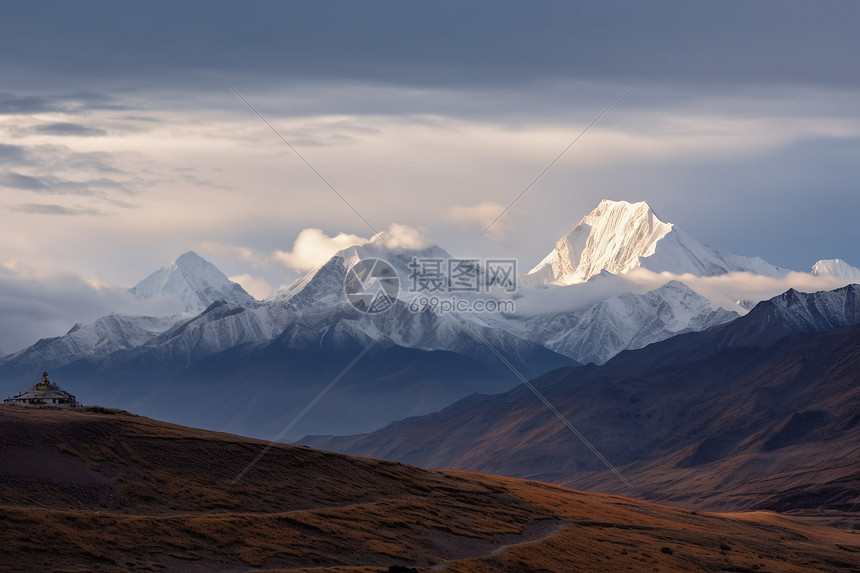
(627, 321)
(316, 303)
(836, 268)
(595, 334)
(220, 327)
(319, 299)
(810, 312)
(276, 353)
(97, 339)
(789, 313)
(196, 282)
(319, 302)
(619, 237)
(325, 284)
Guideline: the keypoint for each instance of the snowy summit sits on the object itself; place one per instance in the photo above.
(195, 281)
(836, 268)
(619, 237)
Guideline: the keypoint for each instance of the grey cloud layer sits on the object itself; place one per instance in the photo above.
(40, 209)
(440, 44)
(12, 154)
(66, 128)
(16, 104)
(43, 161)
(51, 185)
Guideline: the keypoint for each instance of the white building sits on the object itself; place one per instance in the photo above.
(45, 394)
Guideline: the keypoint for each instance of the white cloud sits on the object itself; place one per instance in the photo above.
(576, 297)
(403, 237)
(413, 163)
(243, 254)
(257, 287)
(312, 248)
(480, 215)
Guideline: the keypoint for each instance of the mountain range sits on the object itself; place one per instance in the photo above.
(278, 354)
(759, 413)
(230, 362)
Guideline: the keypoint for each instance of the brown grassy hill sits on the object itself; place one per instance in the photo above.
(108, 491)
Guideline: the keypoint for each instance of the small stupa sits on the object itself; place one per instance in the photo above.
(45, 394)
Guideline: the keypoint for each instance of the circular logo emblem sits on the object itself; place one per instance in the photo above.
(371, 285)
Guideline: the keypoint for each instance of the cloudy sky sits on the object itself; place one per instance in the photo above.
(122, 146)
